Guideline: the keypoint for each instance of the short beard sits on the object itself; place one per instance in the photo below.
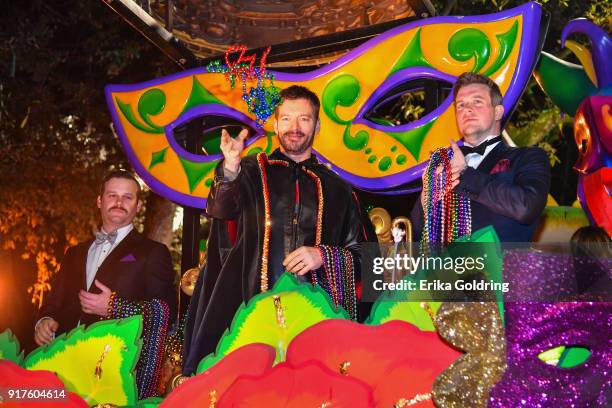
(299, 149)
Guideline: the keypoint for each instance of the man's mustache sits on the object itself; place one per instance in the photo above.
(118, 208)
(294, 133)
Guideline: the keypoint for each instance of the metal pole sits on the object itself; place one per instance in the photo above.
(190, 254)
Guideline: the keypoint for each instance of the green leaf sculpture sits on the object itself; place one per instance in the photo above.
(409, 306)
(97, 362)
(10, 348)
(275, 318)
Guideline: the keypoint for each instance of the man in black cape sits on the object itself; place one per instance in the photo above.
(291, 214)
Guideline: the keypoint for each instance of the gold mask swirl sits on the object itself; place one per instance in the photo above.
(477, 329)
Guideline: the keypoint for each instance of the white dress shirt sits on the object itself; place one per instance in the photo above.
(98, 252)
(473, 160)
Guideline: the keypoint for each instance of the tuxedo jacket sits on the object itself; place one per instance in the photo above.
(137, 269)
(508, 190)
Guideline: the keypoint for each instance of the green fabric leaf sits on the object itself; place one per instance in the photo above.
(259, 321)
(111, 348)
(386, 309)
(10, 348)
(491, 248)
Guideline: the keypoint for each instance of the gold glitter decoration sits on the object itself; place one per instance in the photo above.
(98, 369)
(477, 329)
(344, 366)
(320, 205)
(280, 316)
(213, 399)
(432, 315)
(403, 402)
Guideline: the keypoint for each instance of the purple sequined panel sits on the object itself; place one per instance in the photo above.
(532, 328)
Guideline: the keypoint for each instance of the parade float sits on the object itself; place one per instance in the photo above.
(291, 345)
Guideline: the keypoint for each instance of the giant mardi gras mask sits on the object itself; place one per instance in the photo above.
(369, 154)
(586, 94)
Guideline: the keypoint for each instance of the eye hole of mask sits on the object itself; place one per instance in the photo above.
(406, 102)
(209, 130)
(565, 356)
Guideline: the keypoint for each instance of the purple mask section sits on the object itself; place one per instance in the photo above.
(534, 276)
(548, 277)
(532, 328)
(601, 47)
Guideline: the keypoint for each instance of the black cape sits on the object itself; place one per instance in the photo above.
(232, 272)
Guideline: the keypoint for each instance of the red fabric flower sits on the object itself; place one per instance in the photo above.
(501, 166)
(309, 384)
(13, 377)
(396, 358)
(252, 359)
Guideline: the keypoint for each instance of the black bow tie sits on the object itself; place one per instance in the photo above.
(480, 149)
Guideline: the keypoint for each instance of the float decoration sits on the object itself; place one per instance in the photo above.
(10, 348)
(262, 99)
(203, 389)
(535, 327)
(593, 136)
(409, 306)
(368, 153)
(382, 356)
(97, 362)
(593, 77)
(14, 377)
(586, 94)
(386, 309)
(369, 362)
(306, 385)
(275, 317)
(477, 329)
(552, 71)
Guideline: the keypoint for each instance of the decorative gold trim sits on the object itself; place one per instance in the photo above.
(262, 160)
(320, 204)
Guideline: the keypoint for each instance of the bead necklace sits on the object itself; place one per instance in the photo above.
(447, 214)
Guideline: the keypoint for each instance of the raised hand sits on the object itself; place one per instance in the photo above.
(232, 148)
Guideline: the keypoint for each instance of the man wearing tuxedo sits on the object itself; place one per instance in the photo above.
(119, 268)
(507, 186)
(118, 259)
